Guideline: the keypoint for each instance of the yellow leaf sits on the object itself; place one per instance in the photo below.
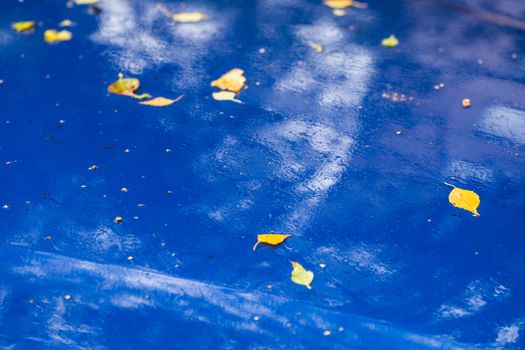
(391, 41)
(301, 276)
(464, 199)
(317, 47)
(338, 4)
(85, 2)
(160, 101)
(271, 238)
(189, 17)
(53, 36)
(66, 23)
(233, 80)
(183, 17)
(23, 26)
(126, 87)
(225, 96)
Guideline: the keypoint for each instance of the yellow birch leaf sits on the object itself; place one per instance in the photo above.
(160, 101)
(189, 17)
(53, 36)
(271, 239)
(464, 199)
(232, 81)
(391, 41)
(126, 87)
(183, 17)
(86, 2)
(225, 96)
(317, 47)
(338, 4)
(301, 276)
(23, 26)
(66, 23)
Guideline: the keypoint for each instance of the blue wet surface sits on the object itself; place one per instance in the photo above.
(312, 151)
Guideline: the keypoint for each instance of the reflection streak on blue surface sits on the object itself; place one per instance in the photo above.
(312, 150)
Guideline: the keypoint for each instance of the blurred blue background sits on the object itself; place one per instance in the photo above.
(312, 151)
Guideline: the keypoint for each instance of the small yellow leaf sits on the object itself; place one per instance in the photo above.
(225, 96)
(126, 87)
(301, 276)
(53, 36)
(317, 47)
(160, 101)
(271, 238)
(183, 17)
(464, 199)
(23, 26)
(66, 23)
(85, 2)
(338, 4)
(189, 17)
(233, 80)
(391, 41)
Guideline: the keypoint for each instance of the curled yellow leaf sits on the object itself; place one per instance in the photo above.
(86, 2)
(391, 41)
(464, 199)
(301, 276)
(189, 17)
(160, 101)
(54, 36)
(126, 87)
(271, 239)
(338, 4)
(232, 81)
(23, 26)
(225, 96)
(183, 17)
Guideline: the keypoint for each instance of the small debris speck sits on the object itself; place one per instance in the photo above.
(256, 318)
(168, 150)
(262, 50)
(322, 265)
(339, 12)
(327, 333)
(399, 132)
(269, 286)
(83, 186)
(341, 329)
(465, 103)
(67, 296)
(93, 167)
(48, 237)
(5, 206)
(130, 258)
(118, 220)
(124, 189)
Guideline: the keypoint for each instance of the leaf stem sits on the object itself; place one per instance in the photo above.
(451, 185)
(164, 10)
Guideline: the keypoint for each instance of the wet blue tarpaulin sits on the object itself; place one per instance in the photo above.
(126, 226)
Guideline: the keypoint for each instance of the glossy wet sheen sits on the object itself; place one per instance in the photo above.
(312, 151)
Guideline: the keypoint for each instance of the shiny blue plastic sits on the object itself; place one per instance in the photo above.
(347, 149)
